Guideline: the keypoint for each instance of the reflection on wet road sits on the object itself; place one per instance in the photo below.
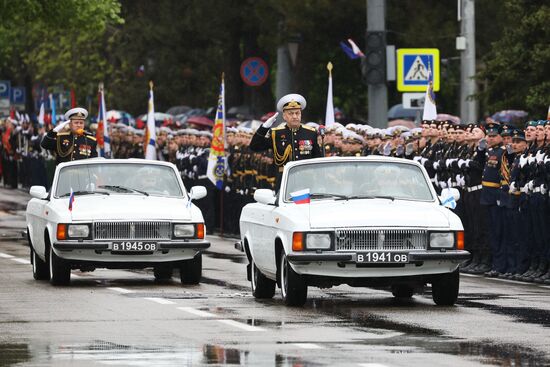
(125, 318)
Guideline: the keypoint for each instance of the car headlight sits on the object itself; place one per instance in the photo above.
(318, 241)
(184, 230)
(78, 230)
(442, 240)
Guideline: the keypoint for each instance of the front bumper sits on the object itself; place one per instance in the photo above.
(414, 256)
(100, 252)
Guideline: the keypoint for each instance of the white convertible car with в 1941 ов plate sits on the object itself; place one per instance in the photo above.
(117, 214)
(362, 221)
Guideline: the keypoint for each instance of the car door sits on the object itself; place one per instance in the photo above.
(262, 235)
(36, 212)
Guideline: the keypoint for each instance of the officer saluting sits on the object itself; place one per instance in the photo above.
(290, 141)
(74, 144)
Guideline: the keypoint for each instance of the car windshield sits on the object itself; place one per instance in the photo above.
(123, 178)
(360, 179)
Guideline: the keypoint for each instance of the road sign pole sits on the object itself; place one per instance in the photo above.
(378, 93)
(468, 104)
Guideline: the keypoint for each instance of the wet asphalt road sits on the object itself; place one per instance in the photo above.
(124, 318)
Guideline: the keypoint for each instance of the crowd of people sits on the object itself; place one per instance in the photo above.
(501, 171)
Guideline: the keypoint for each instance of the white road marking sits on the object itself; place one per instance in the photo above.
(6, 256)
(196, 312)
(372, 365)
(120, 290)
(545, 286)
(307, 345)
(21, 261)
(241, 326)
(162, 301)
(469, 275)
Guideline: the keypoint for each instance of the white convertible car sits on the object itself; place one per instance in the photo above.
(115, 213)
(361, 221)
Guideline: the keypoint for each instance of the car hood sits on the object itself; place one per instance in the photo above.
(374, 213)
(125, 207)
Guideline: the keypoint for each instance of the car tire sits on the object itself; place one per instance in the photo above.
(402, 291)
(262, 287)
(40, 269)
(445, 288)
(293, 286)
(191, 270)
(163, 272)
(59, 269)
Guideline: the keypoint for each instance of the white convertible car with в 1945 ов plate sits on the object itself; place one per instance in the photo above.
(362, 221)
(117, 214)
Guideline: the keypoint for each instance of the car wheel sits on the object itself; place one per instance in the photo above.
(40, 269)
(262, 287)
(191, 270)
(60, 270)
(445, 288)
(163, 272)
(293, 286)
(402, 291)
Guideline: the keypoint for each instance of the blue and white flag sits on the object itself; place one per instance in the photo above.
(301, 196)
(430, 110)
(217, 163)
(353, 52)
(151, 134)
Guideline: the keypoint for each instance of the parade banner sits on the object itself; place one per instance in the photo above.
(103, 139)
(329, 117)
(216, 159)
(151, 136)
(430, 110)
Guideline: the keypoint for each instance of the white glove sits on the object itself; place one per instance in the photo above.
(513, 187)
(530, 185)
(482, 144)
(546, 159)
(540, 156)
(423, 161)
(448, 162)
(61, 126)
(449, 182)
(267, 124)
(522, 161)
(525, 188)
(417, 158)
(543, 189)
(227, 189)
(531, 159)
(461, 163)
(460, 180)
(436, 165)
(442, 184)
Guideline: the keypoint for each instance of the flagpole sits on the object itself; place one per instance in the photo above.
(222, 191)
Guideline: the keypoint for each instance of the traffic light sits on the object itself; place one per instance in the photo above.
(373, 66)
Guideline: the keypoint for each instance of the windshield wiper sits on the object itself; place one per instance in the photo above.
(123, 188)
(327, 195)
(85, 192)
(371, 197)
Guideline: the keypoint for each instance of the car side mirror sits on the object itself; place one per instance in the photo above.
(197, 192)
(264, 196)
(38, 192)
(449, 197)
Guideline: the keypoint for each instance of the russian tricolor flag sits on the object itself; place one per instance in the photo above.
(71, 200)
(300, 197)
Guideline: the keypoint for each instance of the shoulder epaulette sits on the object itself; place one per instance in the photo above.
(64, 133)
(91, 137)
(309, 128)
(280, 127)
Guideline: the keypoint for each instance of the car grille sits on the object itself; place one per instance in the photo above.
(381, 239)
(132, 230)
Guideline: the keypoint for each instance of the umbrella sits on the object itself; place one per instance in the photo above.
(400, 122)
(178, 110)
(510, 116)
(398, 112)
(446, 117)
(200, 120)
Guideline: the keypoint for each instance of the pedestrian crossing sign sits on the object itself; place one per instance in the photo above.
(412, 69)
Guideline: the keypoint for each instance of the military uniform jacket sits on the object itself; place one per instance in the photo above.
(70, 147)
(492, 175)
(287, 144)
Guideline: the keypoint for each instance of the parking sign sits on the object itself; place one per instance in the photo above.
(5, 89)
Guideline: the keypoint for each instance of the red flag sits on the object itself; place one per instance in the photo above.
(73, 98)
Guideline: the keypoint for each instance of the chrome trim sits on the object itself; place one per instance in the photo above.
(381, 239)
(146, 230)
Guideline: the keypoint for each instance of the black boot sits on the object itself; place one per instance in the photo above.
(472, 264)
(532, 268)
(541, 270)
